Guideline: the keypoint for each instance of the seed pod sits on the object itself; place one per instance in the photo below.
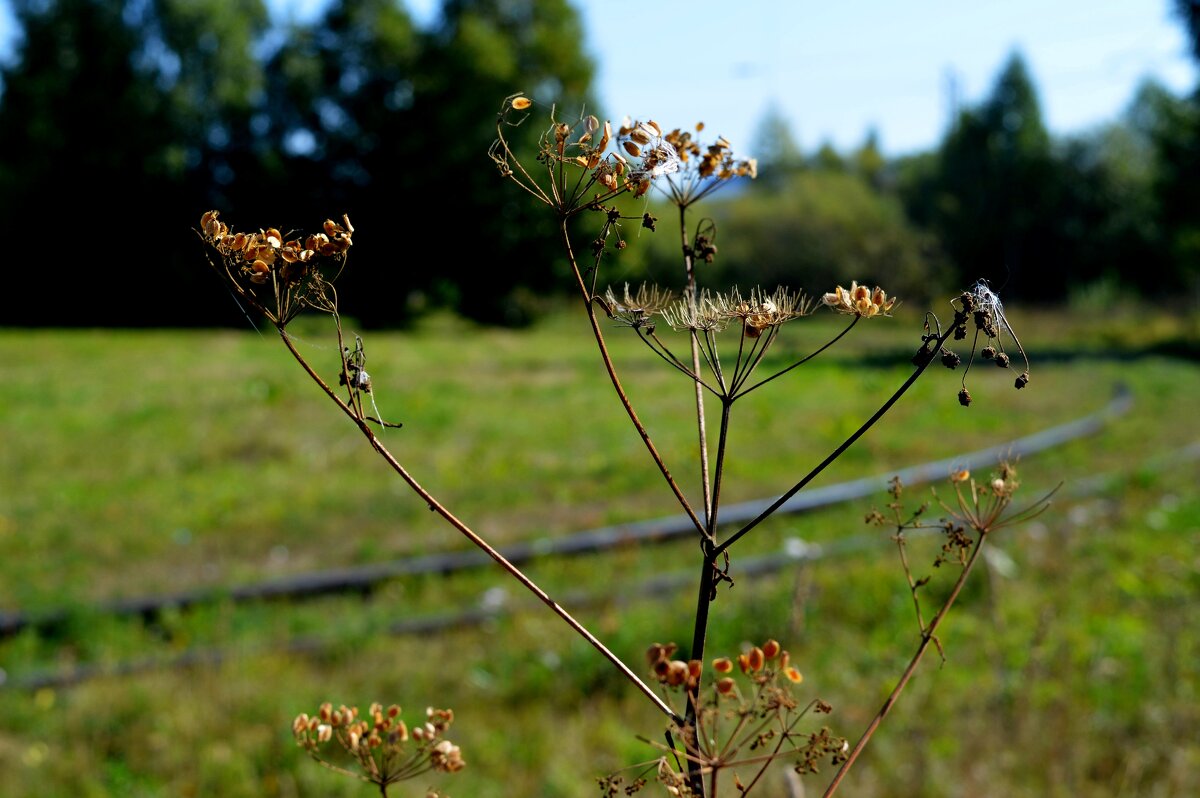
(521, 103)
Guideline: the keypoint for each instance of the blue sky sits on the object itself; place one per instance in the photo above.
(834, 70)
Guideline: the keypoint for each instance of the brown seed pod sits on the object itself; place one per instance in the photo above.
(520, 103)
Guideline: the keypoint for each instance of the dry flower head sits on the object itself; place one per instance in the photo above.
(280, 276)
(382, 746)
(743, 722)
(860, 301)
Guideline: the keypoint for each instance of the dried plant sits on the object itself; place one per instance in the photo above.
(745, 720)
(581, 170)
(381, 744)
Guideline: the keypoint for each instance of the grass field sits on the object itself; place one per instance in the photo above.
(147, 462)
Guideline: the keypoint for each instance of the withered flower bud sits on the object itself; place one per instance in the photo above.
(1022, 380)
(964, 397)
(1002, 360)
(677, 673)
(950, 359)
(923, 355)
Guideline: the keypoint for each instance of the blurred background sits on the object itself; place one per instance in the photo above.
(1053, 152)
(154, 444)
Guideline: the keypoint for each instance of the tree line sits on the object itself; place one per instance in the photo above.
(121, 121)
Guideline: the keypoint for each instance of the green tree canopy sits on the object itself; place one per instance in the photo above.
(178, 106)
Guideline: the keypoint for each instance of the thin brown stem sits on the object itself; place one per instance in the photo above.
(620, 389)
(689, 266)
(472, 536)
(926, 638)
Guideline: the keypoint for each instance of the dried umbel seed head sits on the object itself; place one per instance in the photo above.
(860, 301)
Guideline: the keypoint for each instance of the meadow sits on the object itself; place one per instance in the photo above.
(145, 462)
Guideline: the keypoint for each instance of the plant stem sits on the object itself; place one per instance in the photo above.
(471, 535)
(699, 632)
(705, 597)
(926, 638)
(689, 265)
(616, 383)
(836, 453)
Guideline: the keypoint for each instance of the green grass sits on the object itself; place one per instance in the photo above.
(136, 463)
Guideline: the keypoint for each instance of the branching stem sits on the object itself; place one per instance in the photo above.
(836, 453)
(620, 389)
(926, 638)
(471, 535)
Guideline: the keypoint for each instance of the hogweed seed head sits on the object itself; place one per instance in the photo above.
(861, 301)
(717, 733)
(380, 744)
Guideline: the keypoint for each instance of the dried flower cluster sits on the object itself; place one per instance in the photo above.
(704, 167)
(385, 750)
(984, 506)
(279, 276)
(757, 316)
(744, 722)
(978, 508)
(981, 306)
(860, 301)
(580, 170)
(757, 313)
